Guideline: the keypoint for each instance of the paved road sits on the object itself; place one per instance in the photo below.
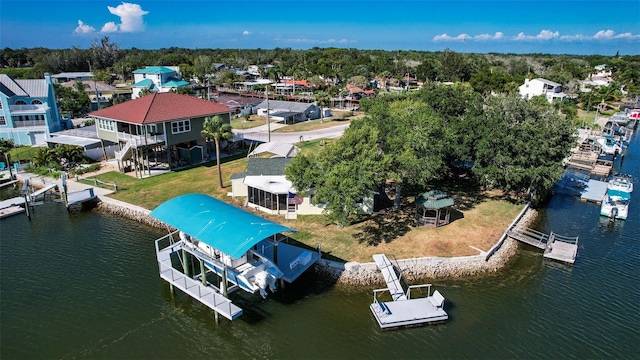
(260, 134)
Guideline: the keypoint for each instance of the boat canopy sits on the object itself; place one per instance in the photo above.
(224, 227)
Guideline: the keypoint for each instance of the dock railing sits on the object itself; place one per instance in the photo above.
(379, 291)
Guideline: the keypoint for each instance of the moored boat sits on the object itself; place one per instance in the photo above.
(621, 182)
(615, 204)
(608, 145)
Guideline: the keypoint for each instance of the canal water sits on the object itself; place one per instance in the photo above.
(86, 285)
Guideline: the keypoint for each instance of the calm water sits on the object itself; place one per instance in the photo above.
(87, 286)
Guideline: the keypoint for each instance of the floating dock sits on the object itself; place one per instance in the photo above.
(404, 311)
(556, 247)
(594, 191)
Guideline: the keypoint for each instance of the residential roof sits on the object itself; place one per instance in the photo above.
(275, 184)
(154, 70)
(23, 87)
(91, 85)
(548, 82)
(434, 199)
(278, 148)
(175, 83)
(237, 101)
(145, 83)
(263, 167)
(160, 107)
(285, 114)
(290, 106)
(72, 140)
(69, 75)
(224, 227)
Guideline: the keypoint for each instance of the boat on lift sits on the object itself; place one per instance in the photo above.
(235, 250)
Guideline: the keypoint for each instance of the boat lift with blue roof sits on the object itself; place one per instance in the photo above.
(237, 248)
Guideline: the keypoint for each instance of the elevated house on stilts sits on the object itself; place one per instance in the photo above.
(160, 130)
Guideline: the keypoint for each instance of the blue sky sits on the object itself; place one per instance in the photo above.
(581, 27)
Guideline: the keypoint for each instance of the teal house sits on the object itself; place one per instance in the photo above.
(28, 110)
(156, 79)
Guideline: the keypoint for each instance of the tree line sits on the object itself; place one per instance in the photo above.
(323, 67)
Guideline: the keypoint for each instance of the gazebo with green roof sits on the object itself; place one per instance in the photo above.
(433, 208)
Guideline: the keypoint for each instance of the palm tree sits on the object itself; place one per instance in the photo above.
(214, 128)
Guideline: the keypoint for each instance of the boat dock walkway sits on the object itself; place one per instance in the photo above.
(391, 277)
(402, 310)
(207, 295)
(556, 247)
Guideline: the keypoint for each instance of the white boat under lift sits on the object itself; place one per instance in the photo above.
(235, 250)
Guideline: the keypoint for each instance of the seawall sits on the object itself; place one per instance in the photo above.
(354, 273)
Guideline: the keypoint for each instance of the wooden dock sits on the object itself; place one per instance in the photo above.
(402, 310)
(10, 211)
(556, 247)
(594, 191)
(561, 248)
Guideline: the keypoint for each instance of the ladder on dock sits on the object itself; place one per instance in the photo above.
(391, 277)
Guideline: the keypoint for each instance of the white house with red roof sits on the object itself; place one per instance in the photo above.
(159, 128)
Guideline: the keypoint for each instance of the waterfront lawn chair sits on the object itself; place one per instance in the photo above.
(437, 299)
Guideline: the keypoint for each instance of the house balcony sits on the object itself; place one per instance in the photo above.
(29, 123)
(140, 140)
(28, 109)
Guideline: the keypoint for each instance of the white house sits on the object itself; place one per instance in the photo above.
(539, 86)
(156, 79)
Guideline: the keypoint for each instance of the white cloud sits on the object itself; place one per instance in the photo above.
(497, 36)
(246, 33)
(604, 34)
(109, 27)
(543, 35)
(130, 18)
(445, 37)
(83, 28)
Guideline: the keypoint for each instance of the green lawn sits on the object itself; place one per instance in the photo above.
(254, 121)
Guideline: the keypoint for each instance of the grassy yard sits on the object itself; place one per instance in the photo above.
(254, 121)
(23, 153)
(313, 146)
(478, 219)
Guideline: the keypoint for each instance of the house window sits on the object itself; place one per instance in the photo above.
(107, 125)
(3, 121)
(181, 126)
(36, 102)
(21, 102)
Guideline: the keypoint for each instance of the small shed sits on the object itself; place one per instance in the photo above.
(433, 208)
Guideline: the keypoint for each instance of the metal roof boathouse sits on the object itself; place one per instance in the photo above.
(235, 250)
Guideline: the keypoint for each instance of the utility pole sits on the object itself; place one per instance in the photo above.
(95, 86)
(266, 91)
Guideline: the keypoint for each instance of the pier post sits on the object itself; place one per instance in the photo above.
(216, 316)
(26, 206)
(203, 273)
(185, 266)
(223, 283)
